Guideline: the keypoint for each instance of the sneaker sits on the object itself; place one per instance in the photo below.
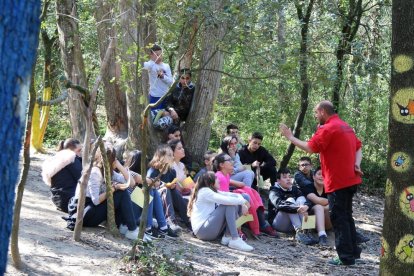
(123, 229)
(169, 233)
(304, 239)
(269, 231)
(361, 238)
(173, 225)
(132, 235)
(337, 261)
(323, 241)
(153, 233)
(241, 245)
(225, 240)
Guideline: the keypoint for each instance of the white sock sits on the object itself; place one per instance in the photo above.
(322, 233)
(164, 228)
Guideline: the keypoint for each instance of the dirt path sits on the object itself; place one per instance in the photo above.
(47, 248)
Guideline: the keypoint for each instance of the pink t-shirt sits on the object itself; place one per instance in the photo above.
(224, 181)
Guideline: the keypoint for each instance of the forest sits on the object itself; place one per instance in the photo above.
(254, 64)
(282, 56)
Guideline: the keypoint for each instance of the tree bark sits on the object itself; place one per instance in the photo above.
(71, 55)
(397, 256)
(351, 22)
(115, 99)
(187, 44)
(20, 21)
(303, 69)
(198, 127)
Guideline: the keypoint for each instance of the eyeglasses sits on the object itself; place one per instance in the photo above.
(305, 165)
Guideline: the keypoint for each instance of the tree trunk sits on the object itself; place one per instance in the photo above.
(115, 99)
(14, 245)
(198, 127)
(20, 21)
(397, 256)
(187, 44)
(283, 97)
(136, 33)
(351, 22)
(303, 69)
(71, 55)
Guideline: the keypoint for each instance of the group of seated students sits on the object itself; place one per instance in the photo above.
(224, 189)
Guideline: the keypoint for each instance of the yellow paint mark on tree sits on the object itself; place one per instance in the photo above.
(400, 161)
(389, 189)
(405, 249)
(407, 202)
(402, 105)
(385, 249)
(403, 63)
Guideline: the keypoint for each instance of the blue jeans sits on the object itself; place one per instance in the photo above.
(154, 209)
(340, 210)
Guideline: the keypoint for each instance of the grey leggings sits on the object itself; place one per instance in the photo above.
(287, 222)
(223, 216)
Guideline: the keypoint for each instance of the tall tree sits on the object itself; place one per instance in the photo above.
(198, 127)
(350, 14)
(304, 17)
(71, 55)
(397, 256)
(115, 99)
(19, 31)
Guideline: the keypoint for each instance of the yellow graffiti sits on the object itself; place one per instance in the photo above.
(402, 106)
(389, 189)
(385, 249)
(407, 202)
(404, 250)
(403, 63)
(400, 162)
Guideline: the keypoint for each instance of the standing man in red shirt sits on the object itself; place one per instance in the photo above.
(341, 154)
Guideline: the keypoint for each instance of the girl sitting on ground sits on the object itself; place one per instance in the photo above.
(162, 163)
(223, 166)
(96, 204)
(179, 167)
(62, 172)
(240, 173)
(133, 162)
(211, 212)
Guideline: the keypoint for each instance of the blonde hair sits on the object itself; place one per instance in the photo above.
(163, 158)
(206, 180)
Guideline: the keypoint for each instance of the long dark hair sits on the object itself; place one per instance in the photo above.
(219, 159)
(226, 142)
(110, 154)
(133, 161)
(206, 180)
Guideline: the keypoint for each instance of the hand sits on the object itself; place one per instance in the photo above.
(305, 216)
(255, 164)
(247, 204)
(285, 131)
(173, 114)
(245, 209)
(358, 170)
(232, 152)
(160, 74)
(303, 209)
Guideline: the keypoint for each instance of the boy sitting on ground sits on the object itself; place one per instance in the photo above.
(288, 206)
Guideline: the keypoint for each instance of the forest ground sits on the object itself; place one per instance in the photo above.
(47, 247)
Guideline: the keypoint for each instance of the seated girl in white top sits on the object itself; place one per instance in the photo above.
(212, 211)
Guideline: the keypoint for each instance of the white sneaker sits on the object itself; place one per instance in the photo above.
(132, 235)
(147, 238)
(123, 229)
(154, 223)
(239, 244)
(225, 240)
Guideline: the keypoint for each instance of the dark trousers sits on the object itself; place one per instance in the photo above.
(124, 214)
(340, 209)
(266, 173)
